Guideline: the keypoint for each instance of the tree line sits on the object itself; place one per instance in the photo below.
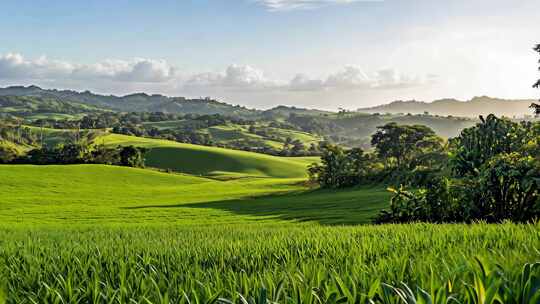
(79, 153)
(489, 172)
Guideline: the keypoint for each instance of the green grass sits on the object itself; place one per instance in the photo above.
(105, 234)
(212, 161)
(283, 263)
(90, 194)
(239, 134)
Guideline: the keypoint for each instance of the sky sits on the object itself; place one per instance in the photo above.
(325, 54)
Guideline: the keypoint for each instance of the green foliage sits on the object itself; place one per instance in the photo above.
(131, 156)
(404, 143)
(509, 188)
(31, 106)
(442, 200)
(409, 155)
(81, 153)
(8, 153)
(339, 168)
(476, 145)
(271, 263)
(498, 179)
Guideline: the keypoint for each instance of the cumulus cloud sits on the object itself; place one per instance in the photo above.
(235, 76)
(285, 5)
(126, 73)
(354, 78)
(15, 66)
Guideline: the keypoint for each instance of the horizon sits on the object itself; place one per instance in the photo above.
(333, 53)
(273, 106)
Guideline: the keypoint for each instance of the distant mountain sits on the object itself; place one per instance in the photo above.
(139, 102)
(142, 102)
(473, 108)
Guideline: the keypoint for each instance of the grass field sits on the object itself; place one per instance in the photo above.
(269, 263)
(92, 193)
(231, 133)
(212, 161)
(256, 234)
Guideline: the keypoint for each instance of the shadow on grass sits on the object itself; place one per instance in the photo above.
(326, 207)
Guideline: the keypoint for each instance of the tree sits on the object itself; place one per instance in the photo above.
(509, 188)
(340, 168)
(131, 156)
(478, 144)
(404, 143)
(535, 106)
(7, 154)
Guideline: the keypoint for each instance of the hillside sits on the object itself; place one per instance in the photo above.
(139, 102)
(212, 161)
(355, 129)
(472, 108)
(30, 107)
(95, 194)
(142, 102)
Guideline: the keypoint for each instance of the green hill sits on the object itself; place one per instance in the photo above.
(98, 194)
(212, 161)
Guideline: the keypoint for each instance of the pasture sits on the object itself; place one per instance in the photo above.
(245, 230)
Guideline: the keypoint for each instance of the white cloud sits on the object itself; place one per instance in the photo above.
(349, 77)
(302, 82)
(354, 78)
(15, 66)
(287, 5)
(235, 76)
(154, 74)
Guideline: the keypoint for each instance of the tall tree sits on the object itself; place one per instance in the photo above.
(404, 143)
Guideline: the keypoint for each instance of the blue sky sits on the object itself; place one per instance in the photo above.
(260, 53)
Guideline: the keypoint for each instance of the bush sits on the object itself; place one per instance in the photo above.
(509, 188)
(7, 154)
(443, 200)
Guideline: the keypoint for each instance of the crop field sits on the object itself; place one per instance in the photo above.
(270, 263)
(241, 227)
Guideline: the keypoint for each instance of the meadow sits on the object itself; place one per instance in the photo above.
(227, 226)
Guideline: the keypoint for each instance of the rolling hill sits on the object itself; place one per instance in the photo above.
(472, 108)
(98, 194)
(212, 161)
(139, 102)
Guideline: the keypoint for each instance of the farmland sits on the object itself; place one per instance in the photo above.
(101, 234)
(256, 263)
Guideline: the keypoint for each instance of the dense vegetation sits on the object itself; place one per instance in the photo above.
(489, 172)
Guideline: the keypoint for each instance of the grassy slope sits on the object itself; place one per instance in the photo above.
(202, 160)
(96, 194)
(230, 133)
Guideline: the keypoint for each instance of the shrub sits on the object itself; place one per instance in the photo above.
(509, 188)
